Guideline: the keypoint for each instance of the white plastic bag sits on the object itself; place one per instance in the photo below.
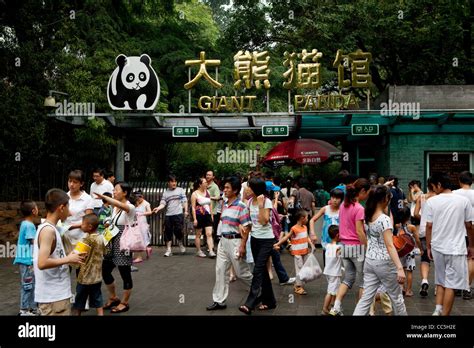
(310, 270)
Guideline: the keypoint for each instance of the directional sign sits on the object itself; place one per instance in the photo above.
(275, 131)
(191, 131)
(365, 129)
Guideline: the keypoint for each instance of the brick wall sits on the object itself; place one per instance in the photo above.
(407, 153)
(10, 219)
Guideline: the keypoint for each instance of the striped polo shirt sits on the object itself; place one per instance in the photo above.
(234, 215)
(299, 240)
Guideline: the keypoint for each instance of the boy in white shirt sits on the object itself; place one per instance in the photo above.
(448, 217)
(465, 182)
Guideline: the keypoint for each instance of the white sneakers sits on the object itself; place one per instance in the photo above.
(212, 254)
(200, 254)
(168, 253)
(290, 281)
(437, 312)
(334, 312)
(182, 249)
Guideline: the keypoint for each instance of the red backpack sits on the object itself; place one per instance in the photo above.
(274, 220)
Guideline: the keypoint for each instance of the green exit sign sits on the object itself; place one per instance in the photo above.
(365, 129)
(275, 131)
(186, 131)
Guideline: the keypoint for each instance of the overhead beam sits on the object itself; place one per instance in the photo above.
(444, 118)
(393, 120)
(347, 120)
(158, 121)
(251, 120)
(204, 123)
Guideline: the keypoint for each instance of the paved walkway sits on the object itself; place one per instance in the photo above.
(182, 285)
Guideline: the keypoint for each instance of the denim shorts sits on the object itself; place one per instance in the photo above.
(88, 291)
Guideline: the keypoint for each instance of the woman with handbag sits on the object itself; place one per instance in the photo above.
(382, 263)
(123, 215)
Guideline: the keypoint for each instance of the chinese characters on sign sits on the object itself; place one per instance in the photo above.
(191, 131)
(275, 131)
(365, 129)
(203, 63)
(359, 66)
(251, 69)
(304, 75)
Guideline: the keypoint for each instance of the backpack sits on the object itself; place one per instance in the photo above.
(404, 242)
(274, 220)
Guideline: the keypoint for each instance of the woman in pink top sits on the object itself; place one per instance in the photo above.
(353, 239)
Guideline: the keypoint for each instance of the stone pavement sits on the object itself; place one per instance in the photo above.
(182, 285)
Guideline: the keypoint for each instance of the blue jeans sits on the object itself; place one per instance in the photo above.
(279, 269)
(27, 288)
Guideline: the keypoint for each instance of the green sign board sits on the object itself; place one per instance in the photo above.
(365, 129)
(275, 131)
(186, 131)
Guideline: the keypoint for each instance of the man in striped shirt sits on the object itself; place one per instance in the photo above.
(235, 227)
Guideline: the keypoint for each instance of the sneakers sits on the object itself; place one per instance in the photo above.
(168, 253)
(182, 249)
(212, 254)
(466, 294)
(133, 269)
(290, 281)
(335, 312)
(424, 289)
(437, 312)
(200, 254)
(216, 306)
(300, 290)
(26, 313)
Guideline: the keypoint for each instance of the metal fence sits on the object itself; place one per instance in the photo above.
(152, 192)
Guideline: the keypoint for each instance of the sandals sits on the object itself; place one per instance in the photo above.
(112, 303)
(300, 290)
(264, 307)
(245, 309)
(124, 309)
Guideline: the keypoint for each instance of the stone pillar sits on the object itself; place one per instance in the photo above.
(119, 160)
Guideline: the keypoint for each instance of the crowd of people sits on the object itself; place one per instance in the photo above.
(246, 223)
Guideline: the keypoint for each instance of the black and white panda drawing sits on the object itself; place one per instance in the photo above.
(134, 84)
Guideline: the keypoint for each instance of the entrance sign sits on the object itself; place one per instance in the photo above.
(251, 69)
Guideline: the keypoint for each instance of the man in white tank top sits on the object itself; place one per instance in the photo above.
(53, 283)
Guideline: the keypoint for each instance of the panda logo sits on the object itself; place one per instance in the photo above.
(134, 84)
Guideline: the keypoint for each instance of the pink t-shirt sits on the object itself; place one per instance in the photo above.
(347, 223)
